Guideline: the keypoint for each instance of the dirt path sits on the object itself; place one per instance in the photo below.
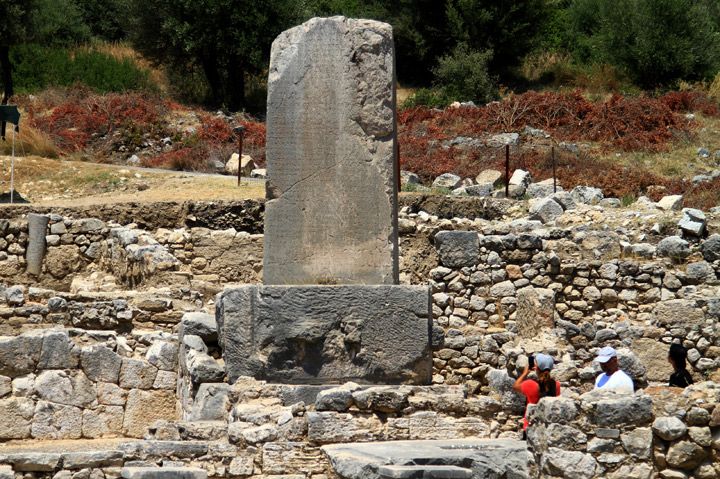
(48, 182)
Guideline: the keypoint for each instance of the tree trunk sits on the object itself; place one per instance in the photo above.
(212, 75)
(6, 68)
(236, 84)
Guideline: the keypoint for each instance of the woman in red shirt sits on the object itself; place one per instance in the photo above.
(544, 386)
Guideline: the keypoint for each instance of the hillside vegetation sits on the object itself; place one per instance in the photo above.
(627, 95)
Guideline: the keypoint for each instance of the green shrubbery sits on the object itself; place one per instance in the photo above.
(37, 67)
(655, 42)
(463, 75)
(460, 76)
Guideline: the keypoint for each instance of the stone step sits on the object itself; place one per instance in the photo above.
(424, 472)
(163, 473)
(484, 458)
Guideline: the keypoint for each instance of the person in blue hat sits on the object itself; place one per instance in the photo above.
(612, 376)
(534, 390)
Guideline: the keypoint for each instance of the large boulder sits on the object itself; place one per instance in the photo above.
(678, 313)
(244, 164)
(492, 177)
(542, 189)
(447, 180)
(673, 247)
(670, 203)
(19, 355)
(587, 195)
(520, 178)
(143, 408)
(545, 210)
(710, 248)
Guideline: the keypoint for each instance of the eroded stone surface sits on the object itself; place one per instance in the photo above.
(486, 458)
(331, 217)
(326, 333)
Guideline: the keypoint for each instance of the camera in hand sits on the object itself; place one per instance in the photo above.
(531, 361)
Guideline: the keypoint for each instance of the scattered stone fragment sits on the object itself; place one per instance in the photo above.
(692, 222)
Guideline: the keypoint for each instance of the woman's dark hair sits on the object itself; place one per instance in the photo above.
(547, 384)
(678, 354)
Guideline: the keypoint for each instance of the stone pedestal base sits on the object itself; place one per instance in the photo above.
(327, 334)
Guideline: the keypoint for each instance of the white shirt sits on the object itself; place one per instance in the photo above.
(619, 381)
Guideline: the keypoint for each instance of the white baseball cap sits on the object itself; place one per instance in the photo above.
(605, 354)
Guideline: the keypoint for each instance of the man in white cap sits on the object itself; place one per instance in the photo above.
(612, 377)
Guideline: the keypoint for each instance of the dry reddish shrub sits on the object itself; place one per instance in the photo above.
(187, 158)
(254, 141)
(215, 130)
(71, 125)
(632, 124)
(691, 101)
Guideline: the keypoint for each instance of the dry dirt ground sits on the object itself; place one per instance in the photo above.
(47, 182)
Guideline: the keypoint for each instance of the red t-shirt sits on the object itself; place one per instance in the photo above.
(531, 389)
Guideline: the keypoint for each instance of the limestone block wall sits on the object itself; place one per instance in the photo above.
(196, 256)
(499, 296)
(24, 309)
(73, 383)
(664, 431)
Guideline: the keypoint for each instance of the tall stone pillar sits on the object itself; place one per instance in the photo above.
(331, 215)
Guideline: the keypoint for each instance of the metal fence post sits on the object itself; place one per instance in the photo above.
(240, 132)
(507, 171)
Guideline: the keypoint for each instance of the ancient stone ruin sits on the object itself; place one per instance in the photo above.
(351, 333)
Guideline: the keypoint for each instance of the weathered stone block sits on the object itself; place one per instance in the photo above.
(136, 373)
(57, 351)
(211, 403)
(63, 388)
(143, 408)
(15, 418)
(20, 354)
(102, 422)
(535, 311)
(327, 334)
(291, 458)
(612, 408)
(458, 248)
(101, 363)
(678, 313)
(56, 421)
(198, 324)
(331, 217)
(487, 458)
(163, 473)
(163, 355)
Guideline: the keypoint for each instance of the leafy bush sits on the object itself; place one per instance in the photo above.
(37, 67)
(558, 70)
(714, 90)
(429, 97)
(657, 42)
(464, 76)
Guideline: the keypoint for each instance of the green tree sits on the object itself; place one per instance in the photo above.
(45, 22)
(57, 23)
(656, 42)
(226, 39)
(16, 15)
(105, 18)
(508, 28)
